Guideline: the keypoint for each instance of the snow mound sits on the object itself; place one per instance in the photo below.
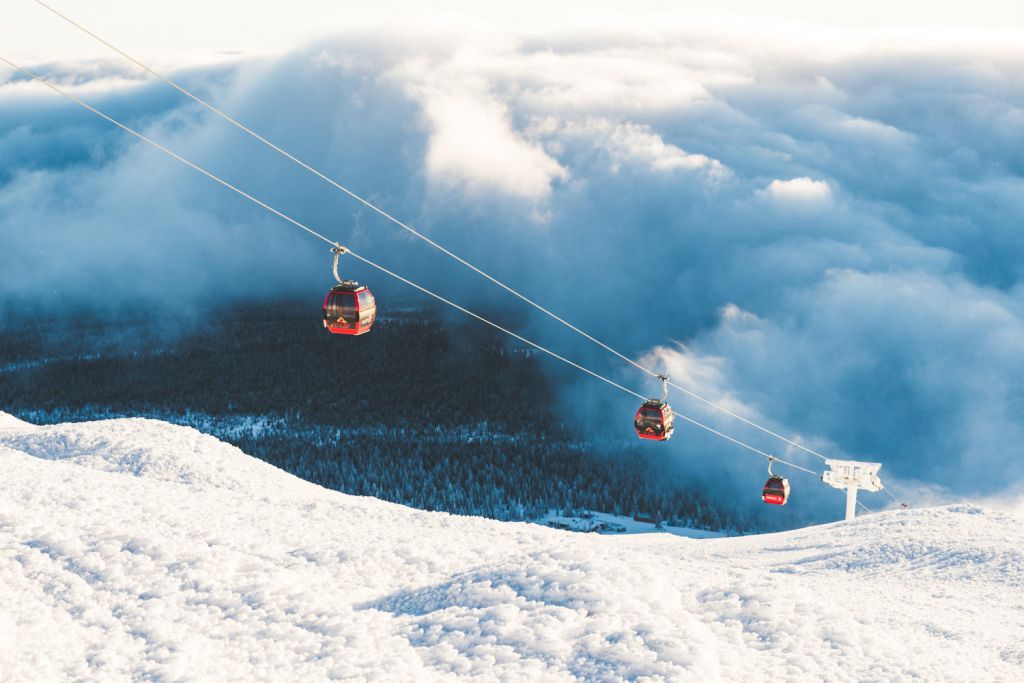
(11, 422)
(146, 448)
(136, 550)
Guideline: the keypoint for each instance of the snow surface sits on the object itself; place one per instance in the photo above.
(136, 550)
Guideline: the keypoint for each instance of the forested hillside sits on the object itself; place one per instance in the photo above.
(422, 411)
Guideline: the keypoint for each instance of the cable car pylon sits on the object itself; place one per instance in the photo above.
(852, 475)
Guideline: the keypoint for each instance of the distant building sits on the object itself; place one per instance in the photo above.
(643, 517)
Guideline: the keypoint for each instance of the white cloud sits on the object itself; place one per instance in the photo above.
(472, 143)
(869, 129)
(732, 313)
(80, 85)
(198, 29)
(628, 143)
(798, 190)
(638, 80)
(473, 97)
(632, 142)
(1009, 503)
(703, 375)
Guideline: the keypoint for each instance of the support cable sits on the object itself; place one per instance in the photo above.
(336, 248)
(211, 108)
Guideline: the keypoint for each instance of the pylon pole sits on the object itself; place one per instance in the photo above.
(852, 475)
(851, 501)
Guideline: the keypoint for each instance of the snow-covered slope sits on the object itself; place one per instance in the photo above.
(137, 550)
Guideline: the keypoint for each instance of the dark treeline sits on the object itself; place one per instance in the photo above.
(424, 412)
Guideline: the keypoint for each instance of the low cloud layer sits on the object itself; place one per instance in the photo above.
(831, 246)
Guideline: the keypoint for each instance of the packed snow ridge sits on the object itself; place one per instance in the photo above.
(136, 550)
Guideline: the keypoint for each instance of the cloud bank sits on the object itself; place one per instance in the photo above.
(832, 246)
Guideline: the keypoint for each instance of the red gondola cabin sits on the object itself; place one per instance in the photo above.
(776, 491)
(349, 308)
(654, 420)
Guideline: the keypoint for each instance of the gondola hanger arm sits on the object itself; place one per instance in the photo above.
(338, 250)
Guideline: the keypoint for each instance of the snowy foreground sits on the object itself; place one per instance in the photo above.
(137, 550)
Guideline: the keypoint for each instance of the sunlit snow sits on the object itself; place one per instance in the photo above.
(136, 550)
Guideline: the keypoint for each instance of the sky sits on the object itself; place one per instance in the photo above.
(191, 31)
(814, 218)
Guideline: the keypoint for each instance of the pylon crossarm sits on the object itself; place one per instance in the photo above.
(851, 475)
